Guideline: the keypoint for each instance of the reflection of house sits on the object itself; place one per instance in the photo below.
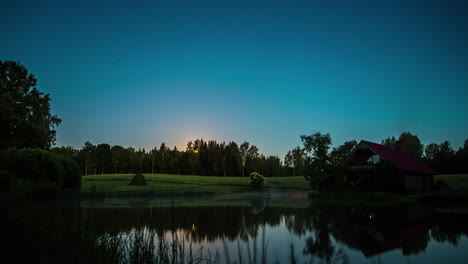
(377, 167)
(378, 230)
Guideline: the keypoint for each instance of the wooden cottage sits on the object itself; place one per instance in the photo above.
(375, 167)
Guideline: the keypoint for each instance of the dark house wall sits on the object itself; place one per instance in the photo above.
(417, 183)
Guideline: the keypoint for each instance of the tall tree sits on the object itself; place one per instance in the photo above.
(252, 161)
(139, 156)
(104, 158)
(244, 148)
(317, 146)
(390, 141)
(25, 117)
(154, 157)
(165, 158)
(69, 152)
(117, 155)
(129, 160)
(271, 166)
(233, 159)
(440, 157)
(412, 144)
(431, 151)
(462, 158)
(89, 158)
(446, 157)
(295, 159)
(340, 153)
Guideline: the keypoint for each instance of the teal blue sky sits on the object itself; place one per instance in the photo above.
(138, 73)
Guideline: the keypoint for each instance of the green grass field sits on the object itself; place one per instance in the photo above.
(166, 184)
(455, 181)
(117, 184)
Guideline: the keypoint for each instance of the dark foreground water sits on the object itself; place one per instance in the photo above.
(230, 231)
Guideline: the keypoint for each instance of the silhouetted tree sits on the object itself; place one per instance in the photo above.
(390, 141)
(340, 153)
(431, 152)
(165, 158)
(244, 148)
(461, 158)
(270, 166)
(88, 153)
(233, 160)
(252, 160)
(104, 158)
(117, 155)
(412, 144)
(440, 157)
(317, 146)
(65, 151)
(129, 160)
(295, 159)
(153, 154)
(25, 117)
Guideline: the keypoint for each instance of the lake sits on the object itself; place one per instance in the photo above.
(223, 230)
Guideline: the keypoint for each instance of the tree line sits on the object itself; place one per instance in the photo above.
(201, 157)
(316, 158)
(442, 157)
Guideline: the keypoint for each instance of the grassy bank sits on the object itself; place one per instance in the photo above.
(188, 184)
(455, 181)
(185, 184)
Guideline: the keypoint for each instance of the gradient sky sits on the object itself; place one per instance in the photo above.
(138, 73)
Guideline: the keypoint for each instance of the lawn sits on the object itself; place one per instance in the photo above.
(455, 181)
(187, 184)
(117, 184)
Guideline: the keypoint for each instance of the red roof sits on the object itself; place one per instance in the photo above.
(402, 159)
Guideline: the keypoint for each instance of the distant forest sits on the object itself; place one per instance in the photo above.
(212, 158)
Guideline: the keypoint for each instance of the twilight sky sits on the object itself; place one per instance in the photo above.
(138, 73)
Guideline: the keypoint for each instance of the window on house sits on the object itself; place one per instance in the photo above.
(374, 159)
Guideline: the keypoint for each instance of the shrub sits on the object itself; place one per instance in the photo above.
(256, 180)
(333, 181)
(38, 165)
(6, 180)
(72, 171)
(44, 190)
(441, 185)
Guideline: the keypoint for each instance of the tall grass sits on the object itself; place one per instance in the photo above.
(144, 246)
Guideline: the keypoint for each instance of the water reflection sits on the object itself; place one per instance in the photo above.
(255, 231)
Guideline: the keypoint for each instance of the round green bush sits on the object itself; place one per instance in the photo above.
(256, 180)
(72, 172)
(38, 165)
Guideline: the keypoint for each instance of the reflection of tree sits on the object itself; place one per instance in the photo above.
(257, 206)
(56, 230)
(417, 245)
(320, 243)
(298, 223)
(450, 227)
(441, 234)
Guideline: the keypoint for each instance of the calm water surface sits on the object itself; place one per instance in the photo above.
(231, 231)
